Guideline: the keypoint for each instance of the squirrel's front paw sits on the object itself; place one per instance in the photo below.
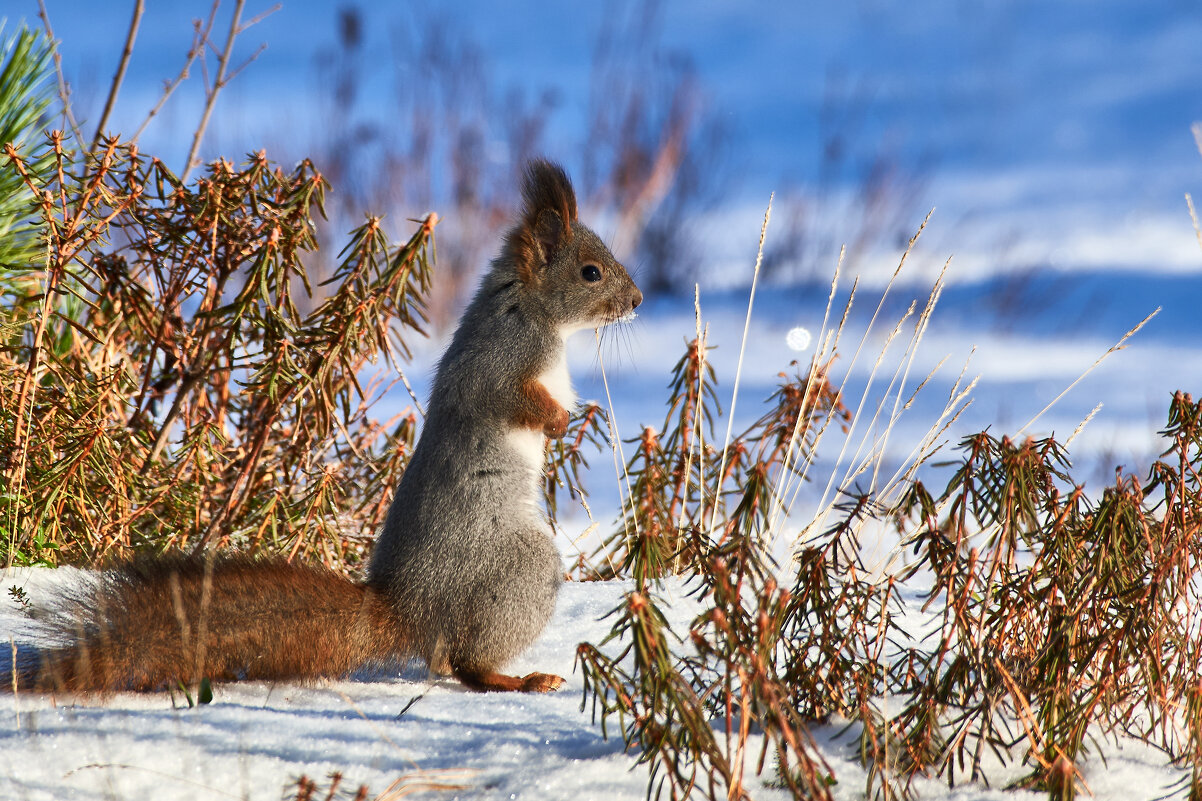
(557, 426)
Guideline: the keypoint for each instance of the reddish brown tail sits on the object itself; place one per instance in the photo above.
(155, 624)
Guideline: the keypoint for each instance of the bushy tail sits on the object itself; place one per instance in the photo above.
(155, 624)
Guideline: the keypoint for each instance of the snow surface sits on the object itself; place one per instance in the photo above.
(255, 739)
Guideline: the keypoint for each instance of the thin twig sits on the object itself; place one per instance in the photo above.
(730, 420)
(236, 71)
(199, 37)
(383, 735)
(1193, 215)
(1081, 426)
(119, 77)
(784, 486)
(616, 444)
(255, 20)
(908, 362)
(214, 90)
(694, 441)
(959, 399)
(110, 766)
(64, 89)
(413, 395)
(1116, 346)
(53, 274)
(826, 493)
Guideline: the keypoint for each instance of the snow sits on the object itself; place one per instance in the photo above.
(256, 739)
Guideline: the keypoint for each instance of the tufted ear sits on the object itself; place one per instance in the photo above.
(548, 211)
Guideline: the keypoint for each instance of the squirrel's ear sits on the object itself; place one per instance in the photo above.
(549, 204)
(547, 188)
(550, 233)
(548, 209)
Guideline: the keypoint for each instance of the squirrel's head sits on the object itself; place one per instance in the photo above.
(561, 261)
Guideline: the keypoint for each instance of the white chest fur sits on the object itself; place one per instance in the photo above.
(559, 383)
(531, 445)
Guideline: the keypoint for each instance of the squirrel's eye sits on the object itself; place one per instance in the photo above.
(591, 273)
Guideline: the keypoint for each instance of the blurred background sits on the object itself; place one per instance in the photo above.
(1053, 140)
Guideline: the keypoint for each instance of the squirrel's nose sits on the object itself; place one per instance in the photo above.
(637, 299)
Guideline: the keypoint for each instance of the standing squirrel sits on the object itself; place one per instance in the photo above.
(464, 573)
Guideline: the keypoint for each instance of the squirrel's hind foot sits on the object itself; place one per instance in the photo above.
(499, 682)
(541, 682)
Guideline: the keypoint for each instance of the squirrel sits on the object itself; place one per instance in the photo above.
(464, 573)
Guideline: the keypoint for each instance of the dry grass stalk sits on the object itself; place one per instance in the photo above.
(734, 394)
(1053, 618)
(160, 386)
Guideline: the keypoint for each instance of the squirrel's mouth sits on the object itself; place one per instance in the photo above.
(614, 312)
(617, 314)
